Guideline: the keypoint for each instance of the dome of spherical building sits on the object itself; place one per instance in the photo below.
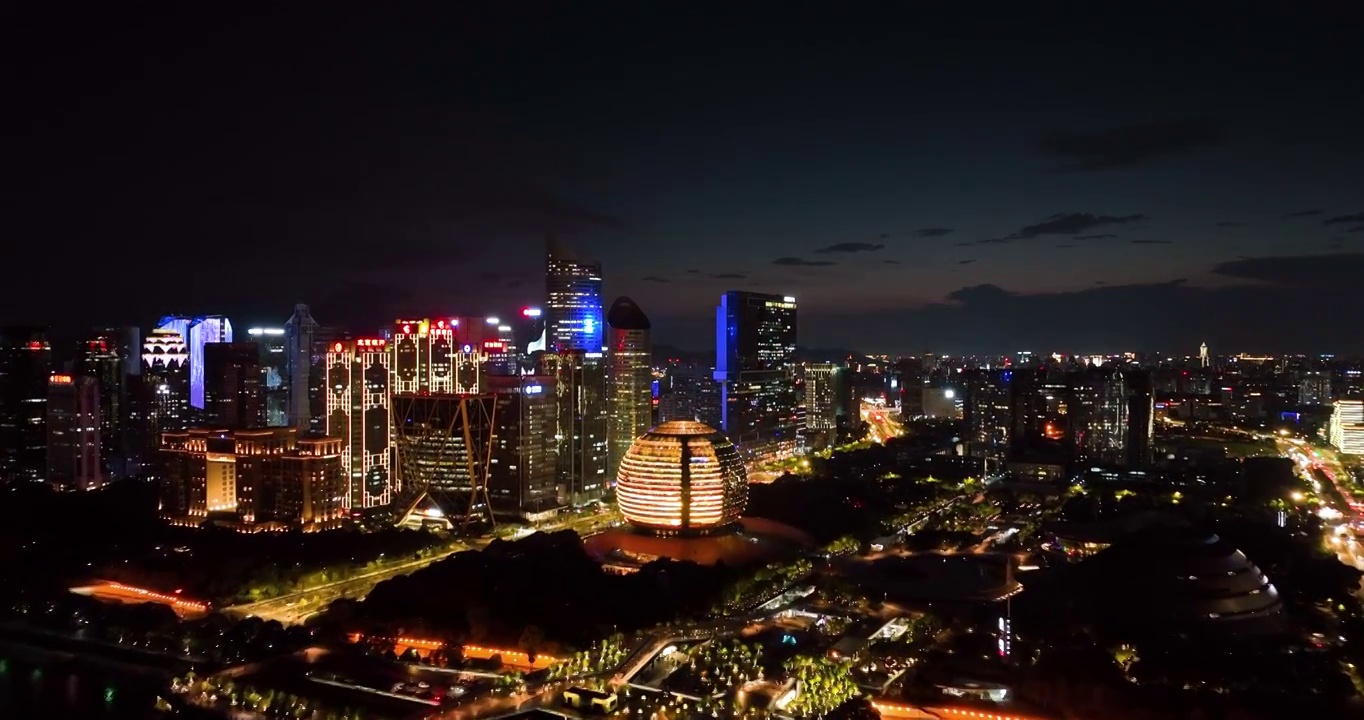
(1182, 574)
(682, 478)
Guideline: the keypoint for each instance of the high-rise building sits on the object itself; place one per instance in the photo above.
(274, 368)
(302, 359)
(1347, 427)
(105, 356)
(629, 379)
(910, 379)
(233, 379)
(985, 412)
(165, 380)
(821, 396)
(1203, 355)
(1039, 422)
(755, 346)
(25, 363)
(262, 478)
(442, 442)
(358, 407)
(523, 470)
(1098, 407)
(580, 422)
(573, 313)
(443, 356)
(1141, 416)
(197, 332)
(73, 433)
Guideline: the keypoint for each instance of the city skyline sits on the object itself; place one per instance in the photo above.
(1053, 204)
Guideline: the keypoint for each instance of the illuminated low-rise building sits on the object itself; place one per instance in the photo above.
(252, 479)
(1347, 426)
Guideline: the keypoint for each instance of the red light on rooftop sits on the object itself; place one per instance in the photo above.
(35, 345)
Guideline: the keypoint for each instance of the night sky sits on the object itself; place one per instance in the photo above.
(1083, 177)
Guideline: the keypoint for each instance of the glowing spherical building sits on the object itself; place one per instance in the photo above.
(682, 478)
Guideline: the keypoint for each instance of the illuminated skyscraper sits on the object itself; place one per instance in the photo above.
(523, 472)
(198, 332)
(573, 316)
(111, 356)
(755, 343)
(444, 356)
(25, 362)
(358, 407)
(821, 396)
(274, 368)
(629, 379)
(162, 400)
(73, 437)
(986, 415)
(300, 338)
(1098, 409)
(580, 425)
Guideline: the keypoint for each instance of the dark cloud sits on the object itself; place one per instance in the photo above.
(850, 247)
(990, 241)
(1229, 224)
(891, 262)
(1150, 242)
(932, 232)
(965, 262)
(1073, 224)
(1100, 282)
(1298, 271)
(1131, 144)
(693, 271)
(1065, 246)
(883, 236)
(655, 279)
(728, 276)
(1341, 219)
(1103, 236)
(1356, 229)
(802, 262)
(1304, 213)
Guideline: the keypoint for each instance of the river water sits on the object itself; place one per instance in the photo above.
(36, 689)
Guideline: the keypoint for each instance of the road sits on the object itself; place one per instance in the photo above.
(295, 608)
(883, 426)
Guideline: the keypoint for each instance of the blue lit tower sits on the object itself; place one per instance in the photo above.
(573, 314)
(198, 332)
(755, 344)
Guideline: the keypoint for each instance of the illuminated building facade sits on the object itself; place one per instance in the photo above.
(573, 313)
(25, 362)
(443, 356)
(986, 415)
(273, 346)
(303, 363)
(1098, 407)
(1347, 427)
(682, 478)
(358, 407)
(580, 423)
(821, 396)
(443, 444)
(523, 471)
(107, 357)
(629, 379)
(755, 343)
(233, 380)
(263, 478)
(198, 332)
(73, 433)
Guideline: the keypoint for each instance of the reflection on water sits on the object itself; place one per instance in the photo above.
(32, 691)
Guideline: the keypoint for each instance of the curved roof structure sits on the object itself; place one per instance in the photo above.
(682, 478)
(1184, 574)
(626, 315)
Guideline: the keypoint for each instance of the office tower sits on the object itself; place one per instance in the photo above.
(573, 315)
(264, 478)
(443, 356)
(1347, 426)
(358, 404)
(25, 363)
(442, 442)
(910, 377)
(1314, 388)
(1203, 355)
(300, 334)
(523, 470)
(162, 402)
(629, 379)
(73, 433)
(197, 332)
(105, 357)
(1039, 422)
(580, 422)
(755, 345)
(233, 380)
(821, 396)
(1141, 413)
(1098, 406)
(275, 373)
(986, 416)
